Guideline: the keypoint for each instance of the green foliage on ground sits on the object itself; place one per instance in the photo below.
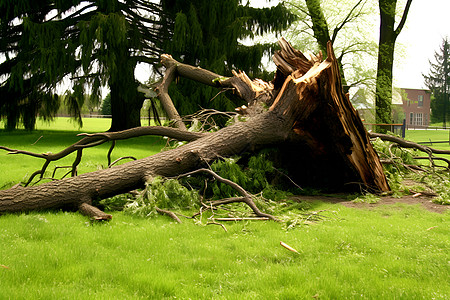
(161, 193)
(254, 177)
(433, 177)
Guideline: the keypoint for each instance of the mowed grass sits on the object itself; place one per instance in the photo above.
(429, 138)
(388, 252)
(54, 137)
(398, 252)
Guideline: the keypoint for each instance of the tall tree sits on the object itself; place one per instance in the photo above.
(92, 43)
(208, 33)
(438, 82)
(386, 47)
(342, 23)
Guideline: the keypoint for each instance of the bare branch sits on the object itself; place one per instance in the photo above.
(169, 213)
(403, 20)
(346, 20)
(407, 144)
(247, 197)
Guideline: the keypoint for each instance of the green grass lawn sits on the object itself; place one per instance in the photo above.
(398, 252)
(388, 252)
(429, 136)
(54, 137)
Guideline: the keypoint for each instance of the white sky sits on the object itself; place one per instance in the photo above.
(427, 24)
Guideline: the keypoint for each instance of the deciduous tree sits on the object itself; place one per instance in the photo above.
(345, 24)
(386, 46)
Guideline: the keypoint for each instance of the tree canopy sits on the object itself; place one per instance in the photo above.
(89, 43)
(98, 43)
(438, 82)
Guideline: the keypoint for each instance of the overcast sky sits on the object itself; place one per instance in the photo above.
(427, 24)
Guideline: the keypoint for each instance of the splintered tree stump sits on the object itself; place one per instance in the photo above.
(319, 137)
(332, 148)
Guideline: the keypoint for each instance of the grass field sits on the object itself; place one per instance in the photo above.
(388, 252)
(54, 137)
(430, 136)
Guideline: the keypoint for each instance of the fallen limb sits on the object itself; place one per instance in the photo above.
(169, 213)
(310, 121)
(95, 139)
(246, 197)
(407, 144)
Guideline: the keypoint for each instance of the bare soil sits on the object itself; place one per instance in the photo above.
(424, 201)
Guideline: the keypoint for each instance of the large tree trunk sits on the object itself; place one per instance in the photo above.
(386, 47)
(126, 101)
(310, 119)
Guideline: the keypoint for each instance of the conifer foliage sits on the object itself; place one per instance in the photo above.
(438, 82)
(210, 34)
(92, 43)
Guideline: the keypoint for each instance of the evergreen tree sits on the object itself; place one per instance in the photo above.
(92, 43)
(208, 34)
(438, 82)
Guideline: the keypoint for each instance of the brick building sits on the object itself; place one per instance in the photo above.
(416, 106)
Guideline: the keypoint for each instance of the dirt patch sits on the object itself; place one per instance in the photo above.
(410, 200)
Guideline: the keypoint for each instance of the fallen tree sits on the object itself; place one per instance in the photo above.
(303, 113)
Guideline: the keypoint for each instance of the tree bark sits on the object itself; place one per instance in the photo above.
(386, 47)
(310, 119)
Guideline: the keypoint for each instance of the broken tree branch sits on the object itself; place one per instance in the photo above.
(246, 196)
(407, 144)
(169, 213)
(312, 124)
(95, 139)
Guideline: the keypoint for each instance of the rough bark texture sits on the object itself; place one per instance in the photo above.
(386, 47)
(310, 120)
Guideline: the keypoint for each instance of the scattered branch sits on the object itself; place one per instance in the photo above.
(246, 196)
(93, 212)
(407, 144)
(169, 213)
(95, 139)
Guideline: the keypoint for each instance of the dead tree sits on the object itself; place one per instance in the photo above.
(308, 119)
